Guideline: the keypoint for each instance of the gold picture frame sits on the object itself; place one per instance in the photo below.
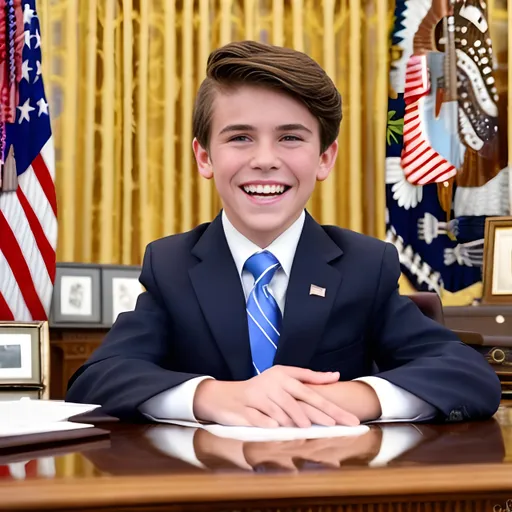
(25, 356)
(497, 264)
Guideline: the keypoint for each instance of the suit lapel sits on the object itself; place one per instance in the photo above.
(219, 290)
(305, 315)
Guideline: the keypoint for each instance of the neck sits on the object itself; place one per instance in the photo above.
(260, 238)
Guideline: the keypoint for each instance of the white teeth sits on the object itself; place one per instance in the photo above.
(264, 189)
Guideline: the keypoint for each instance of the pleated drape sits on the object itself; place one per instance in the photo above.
(122, 76)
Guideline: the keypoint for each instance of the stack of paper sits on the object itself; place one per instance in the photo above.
(23, 417)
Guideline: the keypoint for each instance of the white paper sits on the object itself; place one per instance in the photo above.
(252, 434)
(23, 416)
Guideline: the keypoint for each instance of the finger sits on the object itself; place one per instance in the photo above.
(310, 376)
(316, 416)
(301, 392)
(274, 411)
(255, 418)
(291, 407)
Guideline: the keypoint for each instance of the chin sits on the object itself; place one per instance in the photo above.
(269, 227)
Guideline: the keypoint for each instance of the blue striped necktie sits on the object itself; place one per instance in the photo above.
(263, 313)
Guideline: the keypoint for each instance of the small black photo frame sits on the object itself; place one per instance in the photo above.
(120, 289)
(76, 294)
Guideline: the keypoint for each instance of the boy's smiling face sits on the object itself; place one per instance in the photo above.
(265, 158)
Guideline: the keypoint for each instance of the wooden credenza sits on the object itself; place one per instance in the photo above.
(70, 347)
(494, 323)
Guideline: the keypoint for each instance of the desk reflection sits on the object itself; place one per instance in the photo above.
(158, 449)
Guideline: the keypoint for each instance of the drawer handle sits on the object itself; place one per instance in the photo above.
(498, 355)
(500, 319)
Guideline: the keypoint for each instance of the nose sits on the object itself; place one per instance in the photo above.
(265, 157)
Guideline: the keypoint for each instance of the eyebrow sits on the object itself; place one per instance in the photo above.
(250, 128)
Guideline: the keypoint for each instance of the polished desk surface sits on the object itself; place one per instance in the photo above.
(148, 466)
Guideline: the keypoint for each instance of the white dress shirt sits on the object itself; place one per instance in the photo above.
(396, 403)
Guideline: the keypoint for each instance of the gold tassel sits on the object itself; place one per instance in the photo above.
(10, 176)
(445, 196)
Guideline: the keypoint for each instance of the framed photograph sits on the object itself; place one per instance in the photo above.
(497, 267)
(24, 354)
(120, 290)
(76, 294)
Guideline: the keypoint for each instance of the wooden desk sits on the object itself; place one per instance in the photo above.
(463, 467)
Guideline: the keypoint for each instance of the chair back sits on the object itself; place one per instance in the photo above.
(429, 304)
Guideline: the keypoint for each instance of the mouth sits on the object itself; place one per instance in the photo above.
(265, 191)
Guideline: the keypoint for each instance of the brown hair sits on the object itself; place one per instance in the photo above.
(290, 71)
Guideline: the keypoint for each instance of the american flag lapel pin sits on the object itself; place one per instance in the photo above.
(317, 290)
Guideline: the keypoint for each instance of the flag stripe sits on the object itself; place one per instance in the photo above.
(14, 256)
(45, 248)
(43, 175)
(5, 311)
(12, 293)
(37, 200)
(16, 218)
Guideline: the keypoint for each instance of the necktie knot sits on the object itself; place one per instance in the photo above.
(262, 266)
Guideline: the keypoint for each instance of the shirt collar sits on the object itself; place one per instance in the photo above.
(283, 247)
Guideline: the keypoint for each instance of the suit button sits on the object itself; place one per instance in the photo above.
(455, 415)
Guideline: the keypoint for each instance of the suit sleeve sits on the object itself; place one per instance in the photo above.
(424, 357)
(133, 363)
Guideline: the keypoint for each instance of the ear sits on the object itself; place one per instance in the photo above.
(327, 161)
(204, 164)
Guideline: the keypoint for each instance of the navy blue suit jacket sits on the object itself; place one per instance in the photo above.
(192, 321)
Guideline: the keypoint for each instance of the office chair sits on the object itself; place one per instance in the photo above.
(430, 305)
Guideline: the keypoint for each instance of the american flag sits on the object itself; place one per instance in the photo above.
(28, 206)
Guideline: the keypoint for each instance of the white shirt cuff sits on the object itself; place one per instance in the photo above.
(174, 404)
(397, 404)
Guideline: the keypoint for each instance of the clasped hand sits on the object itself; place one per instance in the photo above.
(281, 396)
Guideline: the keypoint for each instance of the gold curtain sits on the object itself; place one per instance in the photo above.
(121, 77)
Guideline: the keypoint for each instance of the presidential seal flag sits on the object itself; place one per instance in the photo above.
(28, 206)
(446, 160)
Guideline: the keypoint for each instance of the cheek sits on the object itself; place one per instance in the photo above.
(305, 169)
(226, 164)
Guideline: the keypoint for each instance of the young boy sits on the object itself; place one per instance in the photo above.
(264, 317)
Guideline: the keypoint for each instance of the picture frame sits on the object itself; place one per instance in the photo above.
(24, 354)
(76, 294)
(120, 290)
(497, 264)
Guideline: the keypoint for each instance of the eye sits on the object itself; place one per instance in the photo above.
(239, 138)
(291, 138)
